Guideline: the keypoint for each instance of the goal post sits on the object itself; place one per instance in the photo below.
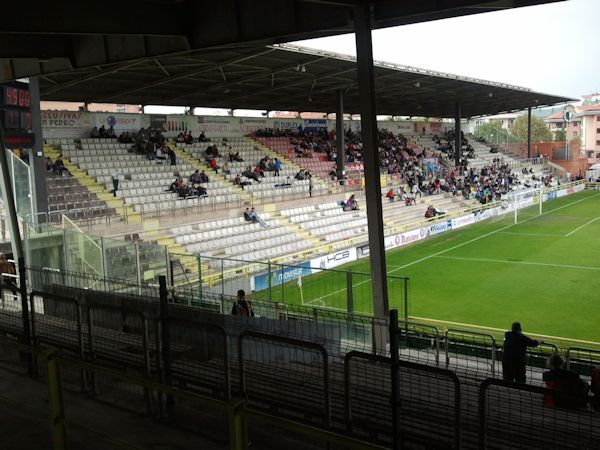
(530, 199)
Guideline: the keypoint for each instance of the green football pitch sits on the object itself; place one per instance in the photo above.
(543, 271)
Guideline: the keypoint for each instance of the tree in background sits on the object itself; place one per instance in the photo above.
(539, 130)
(560, 135)
(492, 131)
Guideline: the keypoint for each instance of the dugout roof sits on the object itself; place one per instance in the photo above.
(283, 77)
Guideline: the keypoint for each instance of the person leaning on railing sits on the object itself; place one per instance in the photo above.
(514, 352)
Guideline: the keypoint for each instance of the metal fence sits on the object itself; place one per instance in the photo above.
(300, 354)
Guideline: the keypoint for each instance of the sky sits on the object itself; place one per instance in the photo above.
(553, 48)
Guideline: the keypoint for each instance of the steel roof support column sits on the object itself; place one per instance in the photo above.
(529, 132)
(457, 135)
(366, 87)
(37, 160)
(339, 135)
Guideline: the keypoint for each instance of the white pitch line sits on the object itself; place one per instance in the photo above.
(580, 227)
(533, 234)
(529, 263)
(458, 246)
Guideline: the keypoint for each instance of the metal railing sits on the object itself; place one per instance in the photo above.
(533, 418)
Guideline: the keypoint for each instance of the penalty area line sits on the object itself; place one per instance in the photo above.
(529, 263)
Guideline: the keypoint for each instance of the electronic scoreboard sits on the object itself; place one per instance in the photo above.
(15, 114)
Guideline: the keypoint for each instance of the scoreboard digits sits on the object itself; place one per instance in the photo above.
(15, 114)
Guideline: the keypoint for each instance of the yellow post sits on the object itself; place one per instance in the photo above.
(55, 399)
(238, 432)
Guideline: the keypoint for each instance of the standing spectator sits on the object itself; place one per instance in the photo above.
(242, 307)
(115, 181)
(277, 167)
(172, 156)
(310, 186)
(514, 353)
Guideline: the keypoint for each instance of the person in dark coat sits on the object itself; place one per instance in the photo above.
(242, 307)
(515, 349)
(571, 390)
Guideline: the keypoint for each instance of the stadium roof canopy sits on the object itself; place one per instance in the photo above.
(285, 78)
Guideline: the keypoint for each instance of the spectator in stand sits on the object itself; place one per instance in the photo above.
(514, 353)
(254, 217)
(310, 185)
(247, 215)
(59, 166)
(202, 137)
(277, 167)
(571, 390)
(249, 173)
(172, 156)
(160, 154)
(195, 177)
(176, 185)
(242, 307)
(149, 149)
(259, 171)
(288, 183)
(390, 195)
(110, 133)
(198, 191)
(115, 181)
(95, 134)
(350, 204)
(203, 177)
(212, 162)
(301, 175)
(102, 132)
(233, 155)
(238, 181)
(433, 212)
(49, 165)
(225, 168)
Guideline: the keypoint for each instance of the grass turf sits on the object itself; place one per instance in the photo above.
(543, 271)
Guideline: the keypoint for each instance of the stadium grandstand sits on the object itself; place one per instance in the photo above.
(171, 280)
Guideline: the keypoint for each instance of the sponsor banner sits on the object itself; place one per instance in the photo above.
(485, 214)
(281, 276)
(525, 203)
(66, 120)
(249, 125)
(158, 120)
(315, 124)
(333, 260)
(438, 228)
(354, 167)
(121, 121)
(549, 195)
(463, 221)
(578, 188)
(410, 236)
(401, 239)
(362, 251)
(286, 124)
(561, 192)
(435, 127)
